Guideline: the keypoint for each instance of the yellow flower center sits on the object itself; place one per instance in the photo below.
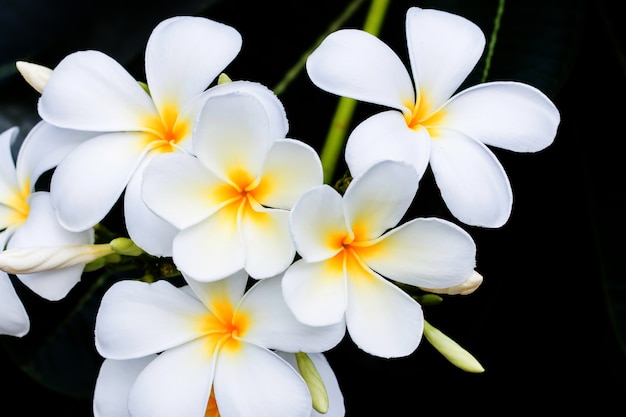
(223, 327)
(18, 202)
(421, 114)
(166, 131)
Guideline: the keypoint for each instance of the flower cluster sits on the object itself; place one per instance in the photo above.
(277, 265)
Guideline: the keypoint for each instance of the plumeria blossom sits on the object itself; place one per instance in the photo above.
(428, 123)
(231, 198)
(28, 219)
(349, 246)
(89, 90)
(116, 378)
(213, 340)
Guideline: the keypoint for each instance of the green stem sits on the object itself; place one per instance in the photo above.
(345, 108)
(493, 39)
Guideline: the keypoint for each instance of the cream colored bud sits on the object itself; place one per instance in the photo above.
(466, 287)
(313, 381)
(451, 350)
(223, 79)
(125, 246)
(35, 75)
(47, 258)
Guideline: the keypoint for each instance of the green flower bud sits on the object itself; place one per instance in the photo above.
(125, 246)
(223, 79)
(313, 381)
(451, 350)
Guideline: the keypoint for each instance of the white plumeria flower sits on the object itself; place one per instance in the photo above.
(210, 338)
(116, 378)
(348, 250)
(429, 123)
(27, 217)
(231, 200)
(89, 90)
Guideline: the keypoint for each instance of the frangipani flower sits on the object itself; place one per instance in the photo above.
(116, 378)
(27, 217)
(348, 250)
(231, 200)
(212, 339)
(88, 90)
(429, 123)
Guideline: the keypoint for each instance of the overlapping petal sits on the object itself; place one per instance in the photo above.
(356, 64)
(176, 383)
(211, 249)
(113, 385)
(14, 320)
(316, 292)
(377, 200)
(231, 137)
(300, 160)
(507, 115)
(318, 225)
(89, 90)
(443, 49)
(184, 55)
(229, 290)
(385, 136)
(137, 319)
(8, 176)
(383, 320)
(275, 326)
(90, 180)
(43, 229)
(258, 383)
(423, 252)
(472, 181)
(268, 246)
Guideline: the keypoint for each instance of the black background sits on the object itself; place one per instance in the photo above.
(539, 324)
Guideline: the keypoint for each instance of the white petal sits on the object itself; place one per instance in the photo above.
(44, 147)
(386, 136)
(211, 249)
(317, 224)
(291, 168)
(43, 229)
(424, 252)
(382, 319)
(356, 64)
(150, 232)
(113, 384)
(137, 319)
(275, 326)
(278, 123)
(232, 136)
(223, 291)
(507, 115)
(316, 292)
(378, 199)
(184, 55)
(258, 383)
(14, 320)
(443, 49)
(8, 177)
(268, 246)
(472, 182)
(90, 180)
(178, 188)
(336, 405)
(176, 383)
(90, 91)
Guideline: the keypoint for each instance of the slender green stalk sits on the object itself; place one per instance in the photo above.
(493, 39)
(345, 108)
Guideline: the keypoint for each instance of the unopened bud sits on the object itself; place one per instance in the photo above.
(47, 258)
(223, 79)
(125, 246)
(313, 381)
(35, 75)
(451, 350)
(466, 287)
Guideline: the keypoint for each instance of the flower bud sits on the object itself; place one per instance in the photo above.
(466, 287)
(46, 258)
(313, 381)
(451, 350)
(35, 75)
(125, 246)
